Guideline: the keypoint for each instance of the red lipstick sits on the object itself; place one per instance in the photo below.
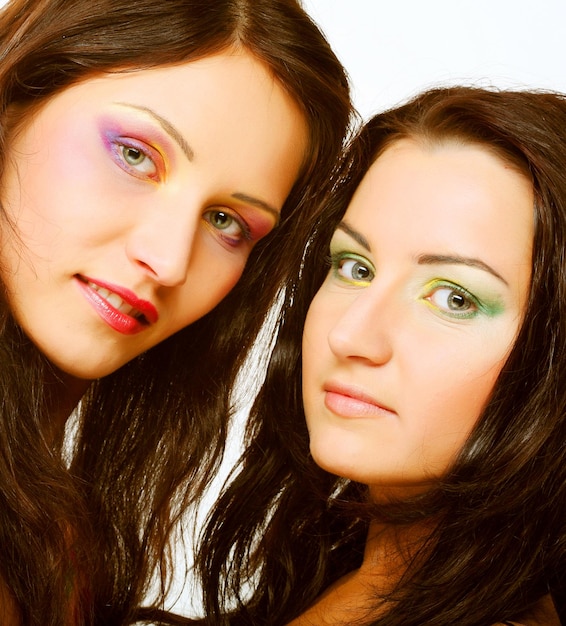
(119, 307)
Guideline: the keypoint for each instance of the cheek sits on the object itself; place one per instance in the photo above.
(314, 331)
(203, 290)
(316, 353)
(451, 413)
(40, 206)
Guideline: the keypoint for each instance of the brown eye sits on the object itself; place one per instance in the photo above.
(457, 302)
(453, 301)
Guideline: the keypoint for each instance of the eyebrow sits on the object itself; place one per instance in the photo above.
(429, 259)
(354, 234)
(260, 204)
(189, 153)
(449, 259)
(167, 127)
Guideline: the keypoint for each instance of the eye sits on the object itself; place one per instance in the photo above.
(137, 161)
(354, 270)
(135, 157)
(351, 268)
(453, 300)
(232, 229)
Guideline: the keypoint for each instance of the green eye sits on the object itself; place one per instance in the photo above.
(232, 230)
(132, 156)
(136, 161)
(221, 220)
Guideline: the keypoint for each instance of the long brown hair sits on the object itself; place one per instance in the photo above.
(289, 529)
(81, 539)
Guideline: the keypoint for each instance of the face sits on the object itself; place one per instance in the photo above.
(403, 343)
(136, 199)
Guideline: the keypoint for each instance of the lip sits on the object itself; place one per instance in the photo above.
(351, 402)
(125, 323)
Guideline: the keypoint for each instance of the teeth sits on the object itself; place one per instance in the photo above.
(114, 300)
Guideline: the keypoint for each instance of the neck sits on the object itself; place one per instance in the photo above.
(388, 554)
(65, 393)
(390, 551)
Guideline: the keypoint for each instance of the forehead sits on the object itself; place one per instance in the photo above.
(239, 121)
(449, 200)
(462, 185)
(217, 77)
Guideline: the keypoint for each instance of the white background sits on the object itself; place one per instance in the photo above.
(393, 49)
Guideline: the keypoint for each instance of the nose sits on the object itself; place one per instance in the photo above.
(162, 242)
(364, 329)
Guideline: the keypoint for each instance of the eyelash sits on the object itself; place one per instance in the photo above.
(338, 262)
(119, 145)
(244, 230)
(473, 305)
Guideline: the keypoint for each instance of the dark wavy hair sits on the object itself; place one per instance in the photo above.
(83, 535)
(284, 530)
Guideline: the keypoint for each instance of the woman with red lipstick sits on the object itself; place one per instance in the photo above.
(413, 471)
(154, 157)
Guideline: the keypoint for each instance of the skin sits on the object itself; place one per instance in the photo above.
(154, 184)
(405, 339)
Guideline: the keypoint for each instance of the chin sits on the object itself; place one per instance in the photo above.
(334, 462)
(89, 372)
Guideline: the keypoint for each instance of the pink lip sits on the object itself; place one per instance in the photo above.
(347, 401)
(119, 321)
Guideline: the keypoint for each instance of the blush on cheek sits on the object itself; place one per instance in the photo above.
(72, 156)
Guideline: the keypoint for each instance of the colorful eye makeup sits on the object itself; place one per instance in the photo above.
(255, 222)
(351, 268)
(240, 224)
(445, 297)
(144, 152)
(455, 301)
(231, 228)
(135, 156)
